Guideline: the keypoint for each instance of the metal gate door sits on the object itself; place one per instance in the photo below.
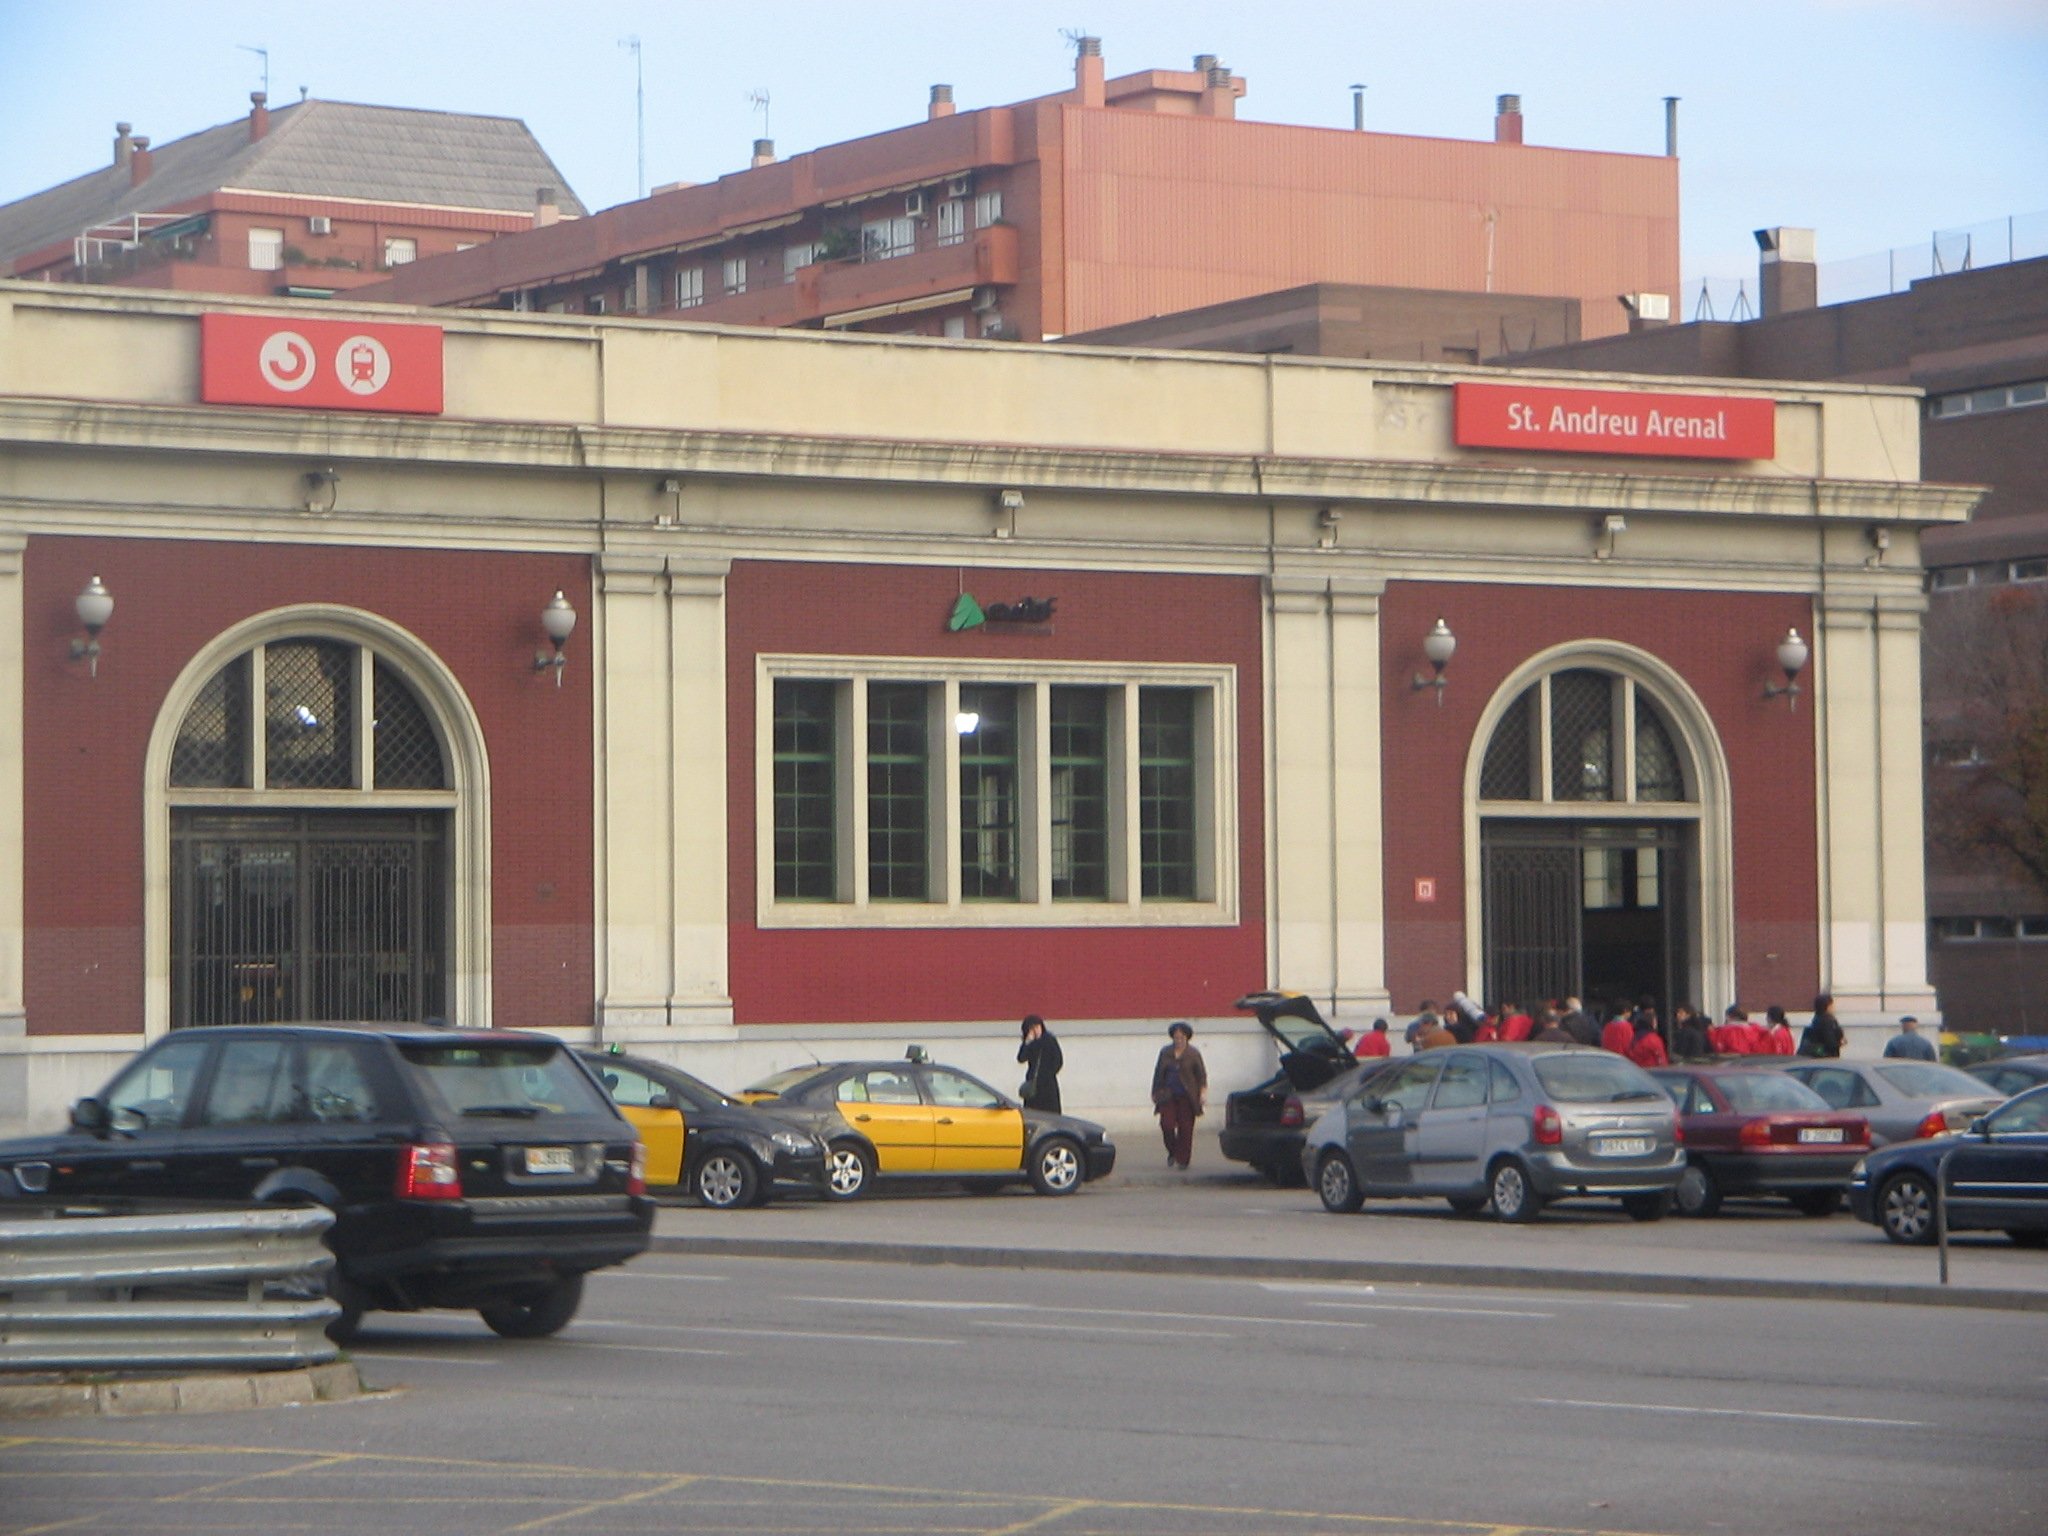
(307, 916)
(1531, 921)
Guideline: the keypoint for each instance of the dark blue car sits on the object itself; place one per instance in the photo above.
(1997, 1178)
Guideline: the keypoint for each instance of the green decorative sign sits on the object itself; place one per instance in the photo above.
(966, 613)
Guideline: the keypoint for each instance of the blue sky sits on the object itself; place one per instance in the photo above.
(1873, 121)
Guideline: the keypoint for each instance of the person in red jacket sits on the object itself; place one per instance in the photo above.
(1518, 1025)
(1374, 1042)
(1647, 1050)
(1619, 1034)
(1778, 1031)
(1735, 1035)
(1489, 1025)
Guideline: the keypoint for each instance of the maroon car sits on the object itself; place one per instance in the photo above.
(1752, 1131)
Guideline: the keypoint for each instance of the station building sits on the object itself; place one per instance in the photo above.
(744, 695)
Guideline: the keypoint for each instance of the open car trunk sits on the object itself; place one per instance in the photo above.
(1311, 1053)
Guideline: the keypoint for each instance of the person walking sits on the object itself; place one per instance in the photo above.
(1374, 1042)
(1436, 1036)
(1042, 1058)
(1777, 1031)
(1422, 1022)
(1909, 1044)
(1179, 1084)
(1823, 1035)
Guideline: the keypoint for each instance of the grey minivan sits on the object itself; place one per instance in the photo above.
(1514, 1126)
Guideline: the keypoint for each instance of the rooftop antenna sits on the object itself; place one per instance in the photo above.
(264, 55)
(632, 46)
(758, 100)
(1074, 35)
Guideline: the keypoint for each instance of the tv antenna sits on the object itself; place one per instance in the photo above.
(758, 100)
(264, 55)
(632, 46)
(1074, 35)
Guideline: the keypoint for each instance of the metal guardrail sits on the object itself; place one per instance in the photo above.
(99, 1292)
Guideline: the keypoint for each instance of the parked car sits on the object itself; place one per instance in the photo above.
(1515, 1125)
(2011, 1074)
(914, 1120)
(1900, 1099)
(1751, 1131)
(1997, 1178)
(728, 1154)
(1264, 1125)
(465, 1168)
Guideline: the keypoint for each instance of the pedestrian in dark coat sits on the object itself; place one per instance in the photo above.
(1823, 1036)
(1042, 1060)
(1179, 1084)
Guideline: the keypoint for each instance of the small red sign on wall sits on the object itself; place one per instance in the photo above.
(1425, 889)
(1546, 419)
(329, 365)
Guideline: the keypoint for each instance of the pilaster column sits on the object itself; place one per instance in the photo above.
(700, 991)
(1901, 808)
(13, 1013)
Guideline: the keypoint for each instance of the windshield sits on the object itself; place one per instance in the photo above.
(781, 1082)
(1754, 1093)
(1924, 1080)
(525, 1082)
(1594, 1077)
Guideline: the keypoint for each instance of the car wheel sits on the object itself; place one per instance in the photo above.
(2028, 1237)
(726, 1180)
(534, 1311)
(1698, 1194)
(1647, 1207)
(1817, 1202)
(1056, 1167)
(1513, 1197)
(849, 1170)
(1337, 1183)
(1905, 1209)
(1468, 1205)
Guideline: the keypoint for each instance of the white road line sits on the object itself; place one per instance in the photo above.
(1150, 1333)
(763, 1333)
(615, 1273)
(931, 1306)
(1428, 1311)
(1339, 1288)
(639, 1349)
(405, 1357)
(1729, 1413)
(1058, 1311)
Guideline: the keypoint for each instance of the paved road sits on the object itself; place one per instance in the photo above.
(803, 1397)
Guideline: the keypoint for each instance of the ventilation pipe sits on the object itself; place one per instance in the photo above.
(123, 145)
(138, 161)
(1507, 120)
(1358, 109)
(1088, 72)
(941, 104)
(1787, 276)
(259, 115)
(544, 210)
(764, 153)
(1671, 127)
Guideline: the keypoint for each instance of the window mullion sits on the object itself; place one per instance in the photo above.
(1129, 845)
(1034, 791)
(853, 785)
(1120, 781)
(948, 858)
(1546, 770)
(259, 717)
(365, 719)
(1627, 737)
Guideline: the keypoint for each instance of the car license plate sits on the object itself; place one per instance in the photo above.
(1623, 1146)
(550, 1160)
(1820, 1133)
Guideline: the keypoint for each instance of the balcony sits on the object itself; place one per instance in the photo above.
(986, 258)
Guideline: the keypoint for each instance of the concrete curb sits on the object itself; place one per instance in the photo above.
(1249, 1268)
(335, 1382)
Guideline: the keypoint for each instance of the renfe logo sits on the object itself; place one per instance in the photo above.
(320, 364)
(1609, 421)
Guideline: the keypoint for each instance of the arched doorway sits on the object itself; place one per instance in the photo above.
(317, 846)
(1598, 836)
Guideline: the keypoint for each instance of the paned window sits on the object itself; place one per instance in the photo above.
(735, 270)
(988, 209)
(1166, 793)
(952, 219)
(987, 724)
(1080, 793)
(266, 250)
(899, 791)
(796, 257)
(884, 239)
(689, 287)
(1581, 735)
(400, 250)
(806, 839)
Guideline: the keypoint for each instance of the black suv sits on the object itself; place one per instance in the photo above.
(465, 1168)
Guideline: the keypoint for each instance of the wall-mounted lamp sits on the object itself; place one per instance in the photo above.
(1326, 525)
(559, 620)
(1008, 505)
(967, 722)
(1880, 541)
(1438, 646)
(1792, 654)
(670, 486)
(95, 605)
(321, 484)
(1608, 532)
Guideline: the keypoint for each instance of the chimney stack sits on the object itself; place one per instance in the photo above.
(544, 210)
(1787, 276)
(123, 145)
(138, 161)
(1088, 72)
(259, 115)
(942, 103)
(1507, 120)
(1358, 109)
(1671, 127)
(764, 153)
(1204, 62)
(1219, 95)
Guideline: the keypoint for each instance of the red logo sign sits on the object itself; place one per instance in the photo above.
(334, 365)
(1609, 421)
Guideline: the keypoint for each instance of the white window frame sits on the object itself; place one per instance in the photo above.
(1216, 796)
(796, 257)
(689, 287)
(400, 250)
(952, 221)
(988, 208)
(734, 274)
(887, 239)
(266, 250)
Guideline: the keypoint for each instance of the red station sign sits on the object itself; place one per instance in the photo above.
(1546, 419)
(329, 365)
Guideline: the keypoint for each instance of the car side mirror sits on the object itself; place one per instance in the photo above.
(89, 1115)
(1371, 1103)
(1394, 1112)
(1981, 1126)
(661, 1101)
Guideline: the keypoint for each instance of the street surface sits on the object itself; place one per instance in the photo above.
(804, 1396)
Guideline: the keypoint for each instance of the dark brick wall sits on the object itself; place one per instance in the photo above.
(1091, 970)
(86, 739)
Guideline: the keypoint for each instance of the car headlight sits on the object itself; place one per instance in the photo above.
(794, 1142)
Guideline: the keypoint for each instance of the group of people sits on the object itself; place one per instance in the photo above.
(1180, 1082)
(1632, 1030)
